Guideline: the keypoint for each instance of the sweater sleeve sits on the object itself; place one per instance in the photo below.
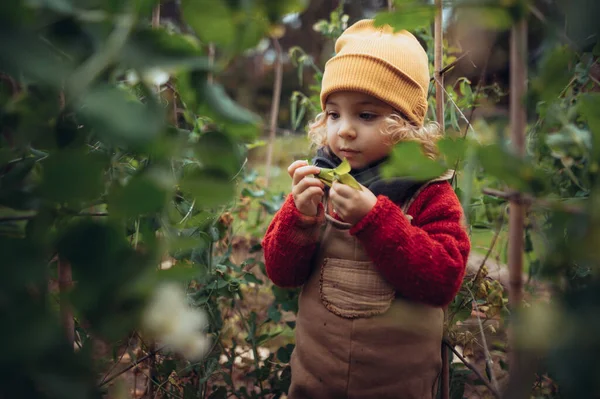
(426, 260)
(289, 244)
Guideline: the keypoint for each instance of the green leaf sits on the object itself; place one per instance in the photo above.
(408, 15)
(218, 151)
(453, 150)
(555, 73)
(208, 187)
(489, 16)
(274, 314)
(251, 278)
(276, 9)
(284, 354)
(220, 103)
(407, 160)
(60, 6)
(211, 20)
(589, 104)
(113, 114)
(145, 193)
(23, 52)
(596, 49)
(73, 176)
(253, 193)
(157, 48)
(519, 174)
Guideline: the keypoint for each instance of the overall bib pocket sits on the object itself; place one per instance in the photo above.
(353, 289)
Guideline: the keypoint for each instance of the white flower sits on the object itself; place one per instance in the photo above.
(175, 324)
(132, 77)
(156, 76)
(151, 76)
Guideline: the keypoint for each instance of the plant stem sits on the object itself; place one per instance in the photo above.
(488, 357)
(473, 369)
(135, 364)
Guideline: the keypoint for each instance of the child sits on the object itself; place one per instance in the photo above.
(377, 265)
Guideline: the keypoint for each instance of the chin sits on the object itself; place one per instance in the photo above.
(356, 164)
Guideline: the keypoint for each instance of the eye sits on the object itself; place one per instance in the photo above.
(367, 116)
(333, 115)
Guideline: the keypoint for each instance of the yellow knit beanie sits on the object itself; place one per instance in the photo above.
(392, 67)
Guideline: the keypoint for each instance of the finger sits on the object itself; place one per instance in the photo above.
(295, 165)
(305, 184)
(308, 182)
(303, 171)
(337, 200)
(342, 190)
(307, 195)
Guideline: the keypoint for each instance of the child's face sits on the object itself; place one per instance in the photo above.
(354, 125)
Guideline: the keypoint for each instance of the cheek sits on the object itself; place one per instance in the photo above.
(330, 136)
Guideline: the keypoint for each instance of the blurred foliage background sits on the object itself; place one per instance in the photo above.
(132, 158)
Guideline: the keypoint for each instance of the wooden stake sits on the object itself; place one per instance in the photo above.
(518, 71)
(156, 16)
(274, 110)
(438, 37)
(518, 386)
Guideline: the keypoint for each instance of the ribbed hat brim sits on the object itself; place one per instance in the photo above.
(377, 78)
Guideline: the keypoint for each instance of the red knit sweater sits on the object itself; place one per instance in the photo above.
(424, 260)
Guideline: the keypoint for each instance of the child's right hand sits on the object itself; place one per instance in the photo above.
(307, 190)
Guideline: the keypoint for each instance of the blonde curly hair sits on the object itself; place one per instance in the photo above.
(396, 129)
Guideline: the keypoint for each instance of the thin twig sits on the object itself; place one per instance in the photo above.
(525, 199)
(135, 364)
(490, 249)
(451, 65)
(118, 361)
(538, 14)
(473, 369)
(469, 126)
(488, 357)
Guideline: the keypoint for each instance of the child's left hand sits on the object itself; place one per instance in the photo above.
(351, 204)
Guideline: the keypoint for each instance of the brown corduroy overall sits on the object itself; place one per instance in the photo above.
(355, 337)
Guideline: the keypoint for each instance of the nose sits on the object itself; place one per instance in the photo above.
(346, 130)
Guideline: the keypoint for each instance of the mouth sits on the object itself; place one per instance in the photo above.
(347, 152)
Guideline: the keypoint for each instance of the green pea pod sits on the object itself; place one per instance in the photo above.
(341, 174)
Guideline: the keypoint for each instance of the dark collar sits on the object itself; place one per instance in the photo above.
(397, 189)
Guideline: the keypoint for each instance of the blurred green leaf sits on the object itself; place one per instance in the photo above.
(112, 114)
(555, 73)
(145, 193)
(219, 101)
(277, 9)
(519, 174)
(23, 52)
(157, 48)
(453, 150)
(209, 187)
(211, 20)
(407, 160)
(60, 6)
(589, 106)
(407, 15)
(72, 176)
(570, 141)
(218, 151)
